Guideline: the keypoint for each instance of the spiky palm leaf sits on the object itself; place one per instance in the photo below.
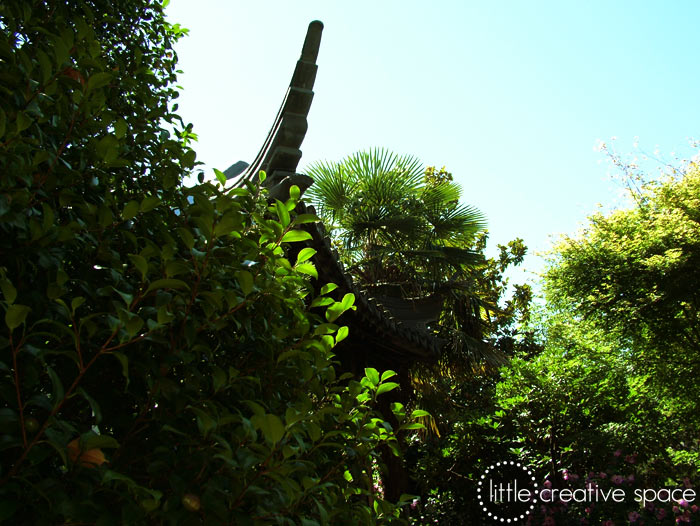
(379, 199)
(396, 228)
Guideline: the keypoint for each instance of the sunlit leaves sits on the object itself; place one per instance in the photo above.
(172, 328)
(295, 235)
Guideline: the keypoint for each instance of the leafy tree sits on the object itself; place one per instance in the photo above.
(161, 361)
(634, 274)
(582, 414)
(402, 231)
(396, 223)
(573, 409)
(612, 370)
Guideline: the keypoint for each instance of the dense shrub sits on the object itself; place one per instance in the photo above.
(160, 362)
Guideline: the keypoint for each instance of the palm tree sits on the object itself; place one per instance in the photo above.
(405, 237)
(393, 225)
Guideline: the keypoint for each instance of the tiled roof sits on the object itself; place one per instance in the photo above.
(279, 157)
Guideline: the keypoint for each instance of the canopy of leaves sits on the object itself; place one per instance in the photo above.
(635, 273)
(159, 362)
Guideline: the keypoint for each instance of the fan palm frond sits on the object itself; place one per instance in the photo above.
(332, 190)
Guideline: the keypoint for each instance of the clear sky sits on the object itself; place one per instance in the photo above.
(512, 97)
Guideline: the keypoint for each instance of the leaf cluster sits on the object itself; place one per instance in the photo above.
(163, 360)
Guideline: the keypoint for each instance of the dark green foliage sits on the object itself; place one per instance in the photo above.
(608, 391)
(159, 362)
(402, 231)
(399, 226)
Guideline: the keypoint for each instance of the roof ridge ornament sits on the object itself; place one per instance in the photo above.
(280, 153)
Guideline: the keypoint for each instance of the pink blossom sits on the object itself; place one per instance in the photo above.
(567, 475)
(675, 509)
(683, 503)
(617, 479)
(694, 508)
(414, 504)
(603, 475)
(617, 452)
(631, 458)
(608, 523)
(686, 482)
(547, 483)
(633, 516)
(661, 513)
(630, 478)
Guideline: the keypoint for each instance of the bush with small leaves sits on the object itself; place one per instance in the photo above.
(162, 361)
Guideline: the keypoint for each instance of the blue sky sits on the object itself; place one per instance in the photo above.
(512, 97)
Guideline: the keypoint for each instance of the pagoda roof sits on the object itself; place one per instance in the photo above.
(373, 326)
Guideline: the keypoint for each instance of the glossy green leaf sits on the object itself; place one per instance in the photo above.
(282, 213)
(140, 263)
(149, 203)
(306, 218)
(15, 315)
(167, 284)
(186, 237)
(99, 80)
(342, 334)
(386, 387)
(246, 281)
(220, 176)
(348, 301)
(271, 427)
(76, 303)
(372, 374)
(387, 374)
(134, 325)
(295, 235)
(8, 290)
(308, 269)
(411, 426)
(57, 390)
(92, 440)
(130, 209)
(120, 128)
(322, 301)
(328, 287)
(305, 253)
